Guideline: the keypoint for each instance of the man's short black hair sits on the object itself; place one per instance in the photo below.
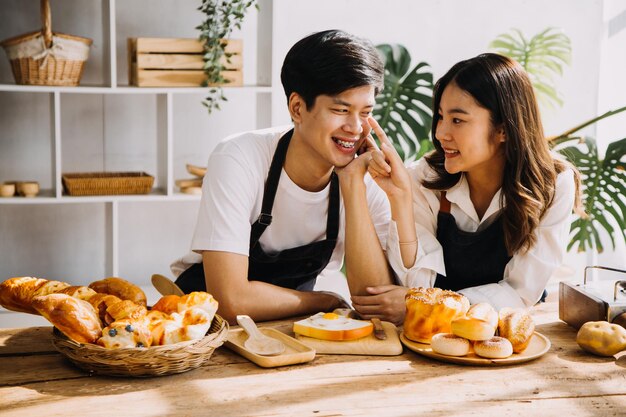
(331, 62)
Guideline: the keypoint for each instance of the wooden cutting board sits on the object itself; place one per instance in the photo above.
(367, 345)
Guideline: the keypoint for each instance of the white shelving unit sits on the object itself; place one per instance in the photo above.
(65, 102)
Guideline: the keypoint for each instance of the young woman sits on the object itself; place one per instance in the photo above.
(487, 213)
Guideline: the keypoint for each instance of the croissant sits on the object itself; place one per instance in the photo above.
(17, 293)
(120, 288)
(126, 309)
(77, 319)
(101, 302)
(167, 304)
(78, 291)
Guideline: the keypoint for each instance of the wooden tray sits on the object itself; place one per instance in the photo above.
(538, 346)
(107, 183)
(295, 352)
(367, 345)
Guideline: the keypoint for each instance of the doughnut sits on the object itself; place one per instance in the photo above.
(495, 348)
(472, 328)
(449, 344)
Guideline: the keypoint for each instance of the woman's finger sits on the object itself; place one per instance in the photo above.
(382, 136)
(378, 160)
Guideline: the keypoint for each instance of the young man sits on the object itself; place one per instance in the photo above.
(280, 206)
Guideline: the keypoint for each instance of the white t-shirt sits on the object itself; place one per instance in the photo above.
(232, 195)
(525, 275)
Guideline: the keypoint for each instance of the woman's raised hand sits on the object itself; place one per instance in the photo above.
(385, 165)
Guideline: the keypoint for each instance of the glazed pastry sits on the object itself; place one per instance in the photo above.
(50, 287)
(120, 288)
(126, 309)
(125, 334)
(77, 319)
(167, 304)
(198, 299)
(472, 328)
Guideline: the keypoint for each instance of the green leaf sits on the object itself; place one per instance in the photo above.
(404, 107)
(543, 57)
(604, 187)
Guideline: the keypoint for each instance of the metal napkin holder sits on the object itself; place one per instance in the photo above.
(594, 301)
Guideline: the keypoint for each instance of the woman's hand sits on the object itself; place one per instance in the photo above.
(358, 167)
(385, 302)
(386, 167)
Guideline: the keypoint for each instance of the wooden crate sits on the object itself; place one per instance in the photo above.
(177, 62)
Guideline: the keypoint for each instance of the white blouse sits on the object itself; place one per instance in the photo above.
(526, 274)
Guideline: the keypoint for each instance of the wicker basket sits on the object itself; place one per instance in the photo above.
(107, 183)
(143, 362)
(46, 58)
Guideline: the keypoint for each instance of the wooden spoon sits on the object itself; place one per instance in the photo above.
(166, 286)
(258, 342)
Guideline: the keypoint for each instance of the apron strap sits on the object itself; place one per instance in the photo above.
(269, 194)
(444, 204)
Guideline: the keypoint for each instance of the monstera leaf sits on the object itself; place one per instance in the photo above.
(403, 109)
(604, 189)
(543, 57)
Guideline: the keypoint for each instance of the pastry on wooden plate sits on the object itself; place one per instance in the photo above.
(331, 326)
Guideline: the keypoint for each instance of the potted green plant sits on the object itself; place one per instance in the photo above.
(221, 17)
(604, 180)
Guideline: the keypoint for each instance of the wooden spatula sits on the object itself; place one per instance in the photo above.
(258, 342)
(166, 286)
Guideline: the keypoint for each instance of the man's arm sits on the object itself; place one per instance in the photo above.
(226, 277)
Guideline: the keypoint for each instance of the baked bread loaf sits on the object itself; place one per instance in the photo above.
(50, 287)
(126, 334)
(430, 311)
(121, 289)
(77, 319)
(198, 299)
(449, 344)
(493, 348)
(484, 311)
(17, 293)
(517, 326)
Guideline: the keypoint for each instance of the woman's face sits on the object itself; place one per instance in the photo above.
(467, 135)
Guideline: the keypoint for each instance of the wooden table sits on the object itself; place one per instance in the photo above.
(37, 381)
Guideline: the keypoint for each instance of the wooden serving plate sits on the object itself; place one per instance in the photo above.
(295, 351)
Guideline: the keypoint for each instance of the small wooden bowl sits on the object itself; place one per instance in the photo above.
(7, 189)
(28, 188)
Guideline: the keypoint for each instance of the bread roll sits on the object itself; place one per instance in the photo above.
(101, 302)
(430, 311)
(120, 288)
(125, 334)
(198, 299)
(77, 319)
(17, 293)
(449, 344)
(78, 291)
(472, 328)
(494, 348)
(484, 311)
(517, 326)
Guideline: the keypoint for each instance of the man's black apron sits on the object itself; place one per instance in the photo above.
(471, 259)
(295, 268)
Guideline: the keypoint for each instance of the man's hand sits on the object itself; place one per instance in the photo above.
(358, 167)
(385, 302)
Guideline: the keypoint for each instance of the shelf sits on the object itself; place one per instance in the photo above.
(47, 197)
(95, 89)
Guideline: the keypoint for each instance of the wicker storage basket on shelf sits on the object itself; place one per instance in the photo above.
(46, 58)
(143, 362)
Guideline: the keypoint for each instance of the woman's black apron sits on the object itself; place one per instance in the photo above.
(471, 259)
(295, 268)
